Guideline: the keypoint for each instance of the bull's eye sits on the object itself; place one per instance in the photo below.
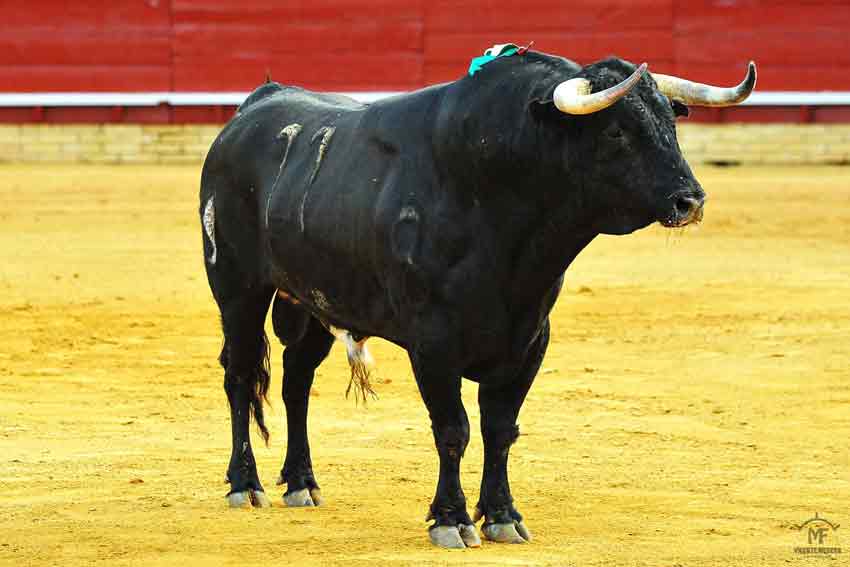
(680, 109)
(614, 132)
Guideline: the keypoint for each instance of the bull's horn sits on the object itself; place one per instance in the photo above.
(699, 94)
(574, 96)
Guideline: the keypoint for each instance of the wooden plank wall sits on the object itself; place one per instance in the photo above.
(322, 44)
(92, 45)
(228, 45)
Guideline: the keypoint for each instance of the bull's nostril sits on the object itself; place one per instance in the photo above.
(684, 205)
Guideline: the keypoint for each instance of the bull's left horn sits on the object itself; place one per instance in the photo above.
(699, 94)
(574, 96)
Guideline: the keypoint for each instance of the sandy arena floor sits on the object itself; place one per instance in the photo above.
(693, 408)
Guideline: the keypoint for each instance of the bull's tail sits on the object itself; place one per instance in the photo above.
(260, 390)
(256, 377)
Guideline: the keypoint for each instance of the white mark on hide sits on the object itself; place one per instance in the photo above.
(326, 132)
(268, 204)
(408, 213)
(407, 217)
(319, 299)
(209, 227)
(290, 131)
(301, 209)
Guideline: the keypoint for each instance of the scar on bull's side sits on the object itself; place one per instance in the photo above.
(209, 227)
(405, 234)
(289, 132)
(326, 132)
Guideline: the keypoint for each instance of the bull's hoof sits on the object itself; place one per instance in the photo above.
(469, 535)
(454, 537)
(515, 532)
(303, 497)
(248, 499)
(316, 495)
(523, 531)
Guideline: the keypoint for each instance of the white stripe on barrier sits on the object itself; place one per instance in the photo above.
(147, 99)
(776, 98)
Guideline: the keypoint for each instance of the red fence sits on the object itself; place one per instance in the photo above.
(227, 45)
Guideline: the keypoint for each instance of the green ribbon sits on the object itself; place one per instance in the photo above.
(499, 50)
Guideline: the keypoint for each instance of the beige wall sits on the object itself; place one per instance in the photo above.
(118, 143)
(766, 143)
(735, 143)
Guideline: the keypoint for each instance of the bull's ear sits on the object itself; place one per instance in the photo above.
(680, 109)
(544, 109)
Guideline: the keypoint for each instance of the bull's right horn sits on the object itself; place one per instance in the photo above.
(574, 96)
(698, 94)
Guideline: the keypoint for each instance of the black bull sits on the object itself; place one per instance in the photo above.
(443, 221)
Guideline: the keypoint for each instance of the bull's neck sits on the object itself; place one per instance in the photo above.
(489, 146)
(554, 239)
(480, 122)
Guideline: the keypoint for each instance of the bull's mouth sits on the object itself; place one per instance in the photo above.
(687, 209)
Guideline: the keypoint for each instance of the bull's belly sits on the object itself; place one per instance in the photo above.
(337, 289)
(346, 282)
(353, 308)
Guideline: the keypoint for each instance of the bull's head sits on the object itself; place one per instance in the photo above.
(627, 153)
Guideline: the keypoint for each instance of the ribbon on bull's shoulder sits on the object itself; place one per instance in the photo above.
(498, 50)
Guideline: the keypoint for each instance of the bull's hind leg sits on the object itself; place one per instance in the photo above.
(307, 344)
(500, 405)
(246, 381)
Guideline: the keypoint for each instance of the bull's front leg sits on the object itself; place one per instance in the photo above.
(439, 385)
(500, 405)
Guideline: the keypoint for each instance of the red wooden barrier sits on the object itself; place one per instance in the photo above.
(350, 45)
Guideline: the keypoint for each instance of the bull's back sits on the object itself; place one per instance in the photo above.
(245, 158)
(252, 139)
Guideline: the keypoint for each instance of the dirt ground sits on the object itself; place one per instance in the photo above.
(693, 408)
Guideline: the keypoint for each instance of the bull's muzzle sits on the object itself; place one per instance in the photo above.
(686, 208)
